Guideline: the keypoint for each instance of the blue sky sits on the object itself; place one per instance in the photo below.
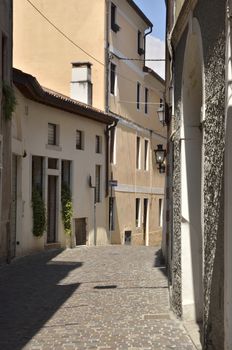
(155, 11)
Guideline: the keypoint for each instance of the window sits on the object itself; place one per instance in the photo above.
(127, 237)
(113, 78)
(114, 26)
(111, 213)
(113, 146)
(37, 174)
(138, 95)
(79, 139)
(98, 145)
(140, 43)
(138, 151)
(146, 155)
(137, 212)
(146, 100)
(53, 163)
(52, 134)
(98, 183)
(160, 212)
(66, 173)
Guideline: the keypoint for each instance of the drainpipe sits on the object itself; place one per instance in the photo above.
(144, 38)
(107, 137)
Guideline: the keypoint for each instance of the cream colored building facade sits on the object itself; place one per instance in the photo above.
(86, 50)
(70, 159)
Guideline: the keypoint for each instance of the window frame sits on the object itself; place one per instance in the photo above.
(140, 44)
(113, 68)
(98, 144)
(113, 18)
(81, 145)
(146, 154)
(55, 134)
(146, 95)
(138, 91)
(97, 183)
(138, 153)
(138, 212)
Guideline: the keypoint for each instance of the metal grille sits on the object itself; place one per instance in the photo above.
(138, 153)
(112, 78)
(98, 144)
(98, 183)
(79, 139)
(146, 100)
(51, 134)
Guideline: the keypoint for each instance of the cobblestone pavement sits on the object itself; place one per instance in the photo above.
(104, 298)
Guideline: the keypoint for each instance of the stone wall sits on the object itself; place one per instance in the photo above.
(211, 17)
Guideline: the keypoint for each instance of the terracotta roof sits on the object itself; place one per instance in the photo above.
(139, 12)
(30, 88)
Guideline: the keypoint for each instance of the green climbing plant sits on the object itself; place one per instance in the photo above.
(39, 213)
(9, 100)
(67, 209)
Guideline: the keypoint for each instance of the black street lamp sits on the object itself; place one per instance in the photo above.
(160, 155)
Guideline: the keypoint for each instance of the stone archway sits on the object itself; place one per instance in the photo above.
(191, 176)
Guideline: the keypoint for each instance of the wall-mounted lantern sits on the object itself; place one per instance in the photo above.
(163, 114)
(160, 155)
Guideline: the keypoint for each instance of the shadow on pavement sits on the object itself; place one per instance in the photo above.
(30, 294)
(159, 262)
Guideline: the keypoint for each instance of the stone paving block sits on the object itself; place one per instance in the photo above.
(101, 298)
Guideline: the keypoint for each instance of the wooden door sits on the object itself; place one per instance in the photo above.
(80, 231)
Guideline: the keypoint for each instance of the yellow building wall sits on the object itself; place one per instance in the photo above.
(39, 49)
(42, 51)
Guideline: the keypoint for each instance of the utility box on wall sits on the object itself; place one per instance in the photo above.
(81, 85)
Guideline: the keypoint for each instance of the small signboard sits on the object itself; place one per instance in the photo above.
(113, 183)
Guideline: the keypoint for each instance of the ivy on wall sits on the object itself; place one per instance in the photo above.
(39, 213)
(67, 209)
(9, 100)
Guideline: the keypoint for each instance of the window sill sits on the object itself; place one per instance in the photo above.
(54, 148)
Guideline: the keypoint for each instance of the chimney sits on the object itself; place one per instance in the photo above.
(81, 85)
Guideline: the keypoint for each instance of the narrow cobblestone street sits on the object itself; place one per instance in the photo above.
(88, 298)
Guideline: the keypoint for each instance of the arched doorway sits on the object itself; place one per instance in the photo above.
(191, 176)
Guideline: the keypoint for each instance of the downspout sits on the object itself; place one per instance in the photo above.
(144, 38)
(107, 138)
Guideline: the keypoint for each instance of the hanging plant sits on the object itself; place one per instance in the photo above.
(9, 100)
(39, 213)
(67, 209)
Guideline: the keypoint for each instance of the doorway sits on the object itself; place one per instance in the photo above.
(191, 177)
(52, 209)
(80, 231)
(14, 206)
(145, 219)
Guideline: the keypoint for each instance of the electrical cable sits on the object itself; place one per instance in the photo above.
(79, 47)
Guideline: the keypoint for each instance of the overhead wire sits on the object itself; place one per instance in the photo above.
(79, 47)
